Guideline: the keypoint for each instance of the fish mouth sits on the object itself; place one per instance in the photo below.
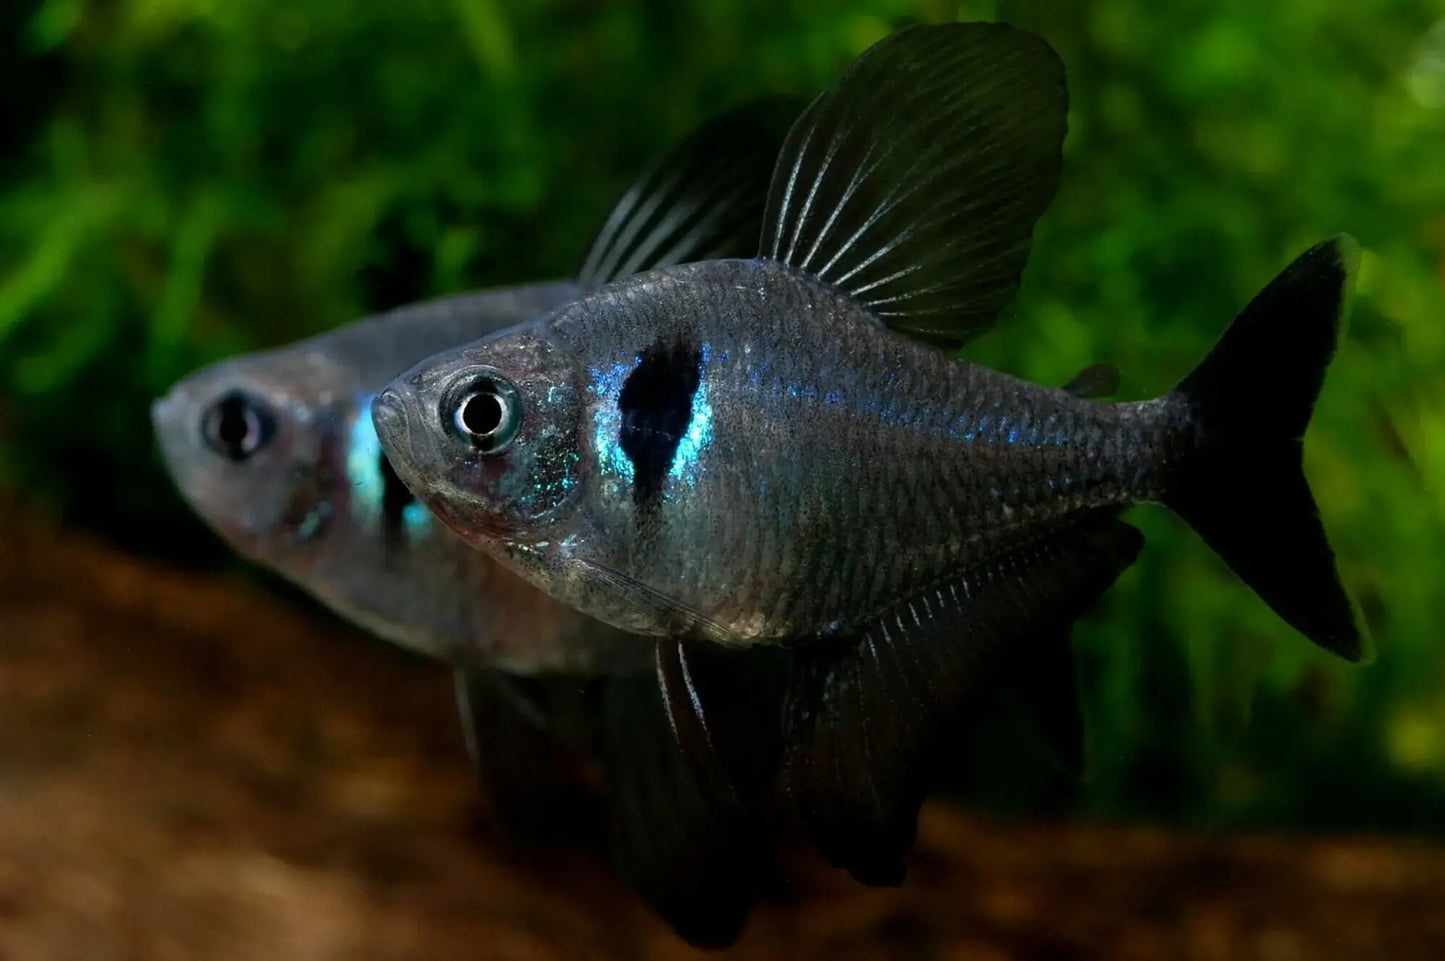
(404, 443)
(389, 418)
(161, 411)
(168, 426)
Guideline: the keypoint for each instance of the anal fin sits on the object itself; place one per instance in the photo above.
(865, 712)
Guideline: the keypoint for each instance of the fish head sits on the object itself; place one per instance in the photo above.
(255, 446)
(488, 435)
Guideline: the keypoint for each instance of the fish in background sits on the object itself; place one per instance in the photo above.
(277, 452)
(776, 454)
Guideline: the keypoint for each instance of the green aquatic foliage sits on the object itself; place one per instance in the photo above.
(191, 178)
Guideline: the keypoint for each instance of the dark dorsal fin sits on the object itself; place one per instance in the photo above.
(704, 200)
(866, 712)
(914, 183)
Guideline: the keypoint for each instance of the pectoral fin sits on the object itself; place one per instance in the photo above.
(682, 620)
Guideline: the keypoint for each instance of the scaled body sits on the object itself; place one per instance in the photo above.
(794, 466)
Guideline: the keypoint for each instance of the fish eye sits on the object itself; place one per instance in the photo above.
(237, 426)
(488, 413)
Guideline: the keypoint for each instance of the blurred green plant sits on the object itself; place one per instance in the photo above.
(192, 178)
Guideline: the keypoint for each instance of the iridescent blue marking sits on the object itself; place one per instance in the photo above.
(963, 426)
(699, 430)
(311, 523)
(368, 487)
(363, 457)
(607, 421)
(418, 521)
(988, 427)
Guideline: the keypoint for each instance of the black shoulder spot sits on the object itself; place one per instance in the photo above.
(656, 406)
(395, 496)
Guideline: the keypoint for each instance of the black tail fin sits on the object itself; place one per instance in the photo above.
(1244, 488)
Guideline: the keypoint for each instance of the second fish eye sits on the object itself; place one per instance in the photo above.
(488, 413)
(237, 426)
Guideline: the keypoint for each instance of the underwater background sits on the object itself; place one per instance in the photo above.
(182, 180)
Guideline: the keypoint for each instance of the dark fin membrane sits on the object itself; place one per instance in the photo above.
(704, 200)
(528, 773)
(697, 846)
(914, 183)
(725, 706)
(1095, 382)
(1243, 488)
(865, 713)
(1044, 684)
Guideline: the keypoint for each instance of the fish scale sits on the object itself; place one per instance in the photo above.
(930, 436)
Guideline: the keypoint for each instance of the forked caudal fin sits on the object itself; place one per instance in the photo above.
(1243, 488)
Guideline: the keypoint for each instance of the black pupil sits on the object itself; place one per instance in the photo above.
(482, 413)
(236, 427)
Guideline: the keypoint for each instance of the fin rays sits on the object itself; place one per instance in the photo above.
(933, 155)
(703, 200)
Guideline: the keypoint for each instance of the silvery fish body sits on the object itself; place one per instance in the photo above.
(776, 449)
(759, 450)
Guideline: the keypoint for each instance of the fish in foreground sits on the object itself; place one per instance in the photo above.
(736, 454)
(276, 451)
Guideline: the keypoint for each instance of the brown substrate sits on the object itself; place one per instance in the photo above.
(191, 768)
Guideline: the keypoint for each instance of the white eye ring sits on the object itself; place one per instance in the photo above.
(489, 414)
(237, 426)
